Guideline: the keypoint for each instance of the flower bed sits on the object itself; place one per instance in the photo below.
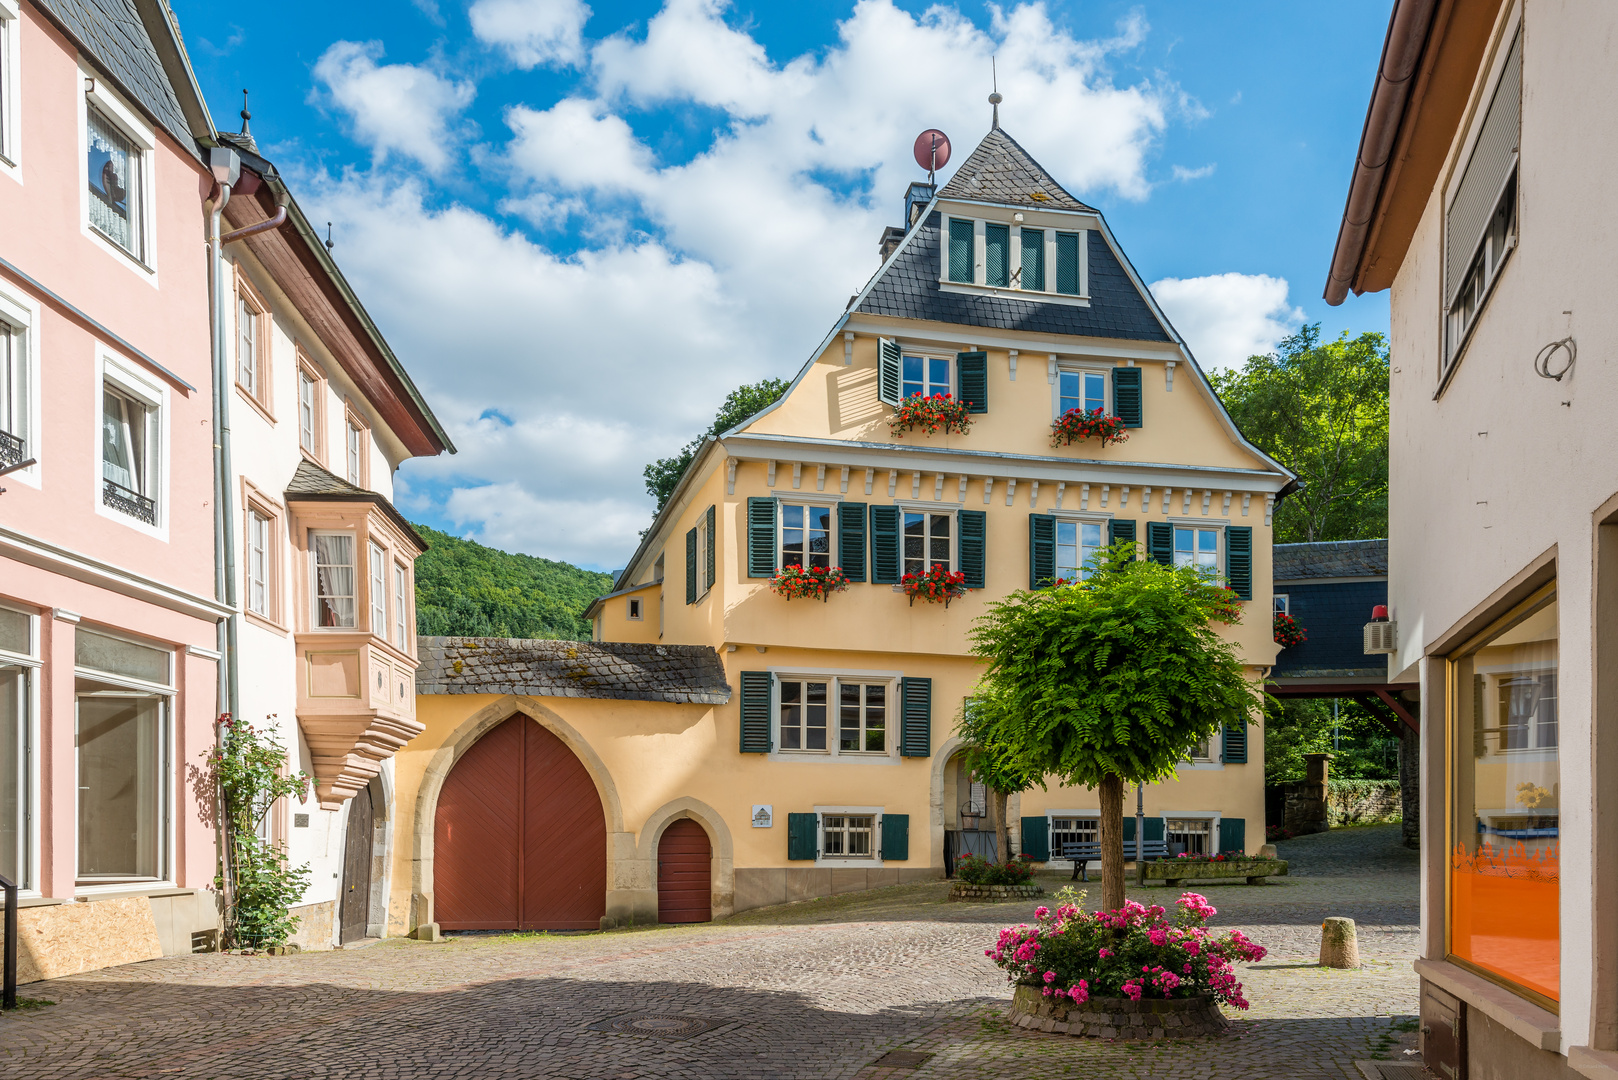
(811, 583)
(1205, 868)
(976, 870)
(930, 414)
(1136, 953)
(962, 890)
(1118, 1018)
(936, 585)
(1287, 631)
(1076, 425)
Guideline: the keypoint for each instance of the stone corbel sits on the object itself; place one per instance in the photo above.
(1168, 376)
(1207, 497)
(1012, 356)
(988, 489)
(870, 478)
(1247, 497)
(843, 486)
(1269, 509)
(1050, 370)
(820, 478)
(938, 487)
(1033, 494)
(1146, 500)
(962, 496)
(1061, 489)
(1106, 490)
(770, 479)
(1084, 496)
(1123, 497)
(848, 348)
(1011, 490)
(893, 482)
(1224, 511)
(797, 474)
(915, 485)
(730, 476)
(1185, 503)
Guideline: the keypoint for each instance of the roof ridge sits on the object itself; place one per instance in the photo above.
(1001, 170)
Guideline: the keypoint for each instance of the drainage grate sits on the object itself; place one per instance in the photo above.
(657, 1027)
(901, 1059)
(1392, 1070)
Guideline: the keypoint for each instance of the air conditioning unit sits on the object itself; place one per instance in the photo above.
(1381, 633)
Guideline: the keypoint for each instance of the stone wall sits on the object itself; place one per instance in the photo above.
(1362, 802)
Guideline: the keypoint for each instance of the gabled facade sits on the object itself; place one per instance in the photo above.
(834, 765)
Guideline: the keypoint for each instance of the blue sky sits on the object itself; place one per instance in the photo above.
(581, 225)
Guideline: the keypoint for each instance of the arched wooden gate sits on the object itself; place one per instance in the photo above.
(519, 837)
(684, 874)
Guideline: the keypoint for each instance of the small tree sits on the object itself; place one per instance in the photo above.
(990, 762)
(259, 887)
(1109, 681)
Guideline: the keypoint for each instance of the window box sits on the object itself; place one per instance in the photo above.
(941, 412)
(936, 585)
(814, 583)
(1076, 425)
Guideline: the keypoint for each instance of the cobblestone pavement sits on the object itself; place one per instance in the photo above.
(819, 989)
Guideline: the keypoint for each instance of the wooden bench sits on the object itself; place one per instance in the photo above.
(1086, 852)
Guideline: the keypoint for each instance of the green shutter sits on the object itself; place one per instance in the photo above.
(1233, 746)
(1126, 397)
(1160, 542)
(960, 250)
(888, 381)
(1041, 550)
(1154, 828)
(895, 837)
(1239, 559)
(1067, 263)
(1121, 529)
(885, 561)
(802, 840)
(760, 537)
(691, 567)
(972, 380)
(916, 717)
(713, 542)
(756, 712)
(974, 524)
(851, 540)
(996, 255)
(1033, 259)
(1129, 835)
(1036, 838)
(1232, 834)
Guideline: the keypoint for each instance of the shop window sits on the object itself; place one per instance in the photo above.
(19, 659)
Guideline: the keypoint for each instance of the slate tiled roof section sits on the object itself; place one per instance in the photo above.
(311, 483)
(1001, 171)
(682, 674)
(1338, 558)
(112, 33)
(909, 289)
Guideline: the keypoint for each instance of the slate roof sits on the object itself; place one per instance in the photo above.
(682, 674)
(1338, 558)
(909, 289)
(311, 483)
(112, 33)
(1001, 171)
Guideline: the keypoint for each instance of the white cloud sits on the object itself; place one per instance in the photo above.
(392, 108)
(1225, 318)
(1185, 175)
(532, 32)
(577, 145)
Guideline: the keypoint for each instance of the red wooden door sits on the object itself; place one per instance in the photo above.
(519, 839)
(684, 874)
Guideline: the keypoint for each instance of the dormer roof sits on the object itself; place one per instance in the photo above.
(1001, 171)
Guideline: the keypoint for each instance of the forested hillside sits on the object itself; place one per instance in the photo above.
(465, 588)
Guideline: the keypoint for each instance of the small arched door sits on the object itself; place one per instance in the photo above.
(684, 874)
(519, 837)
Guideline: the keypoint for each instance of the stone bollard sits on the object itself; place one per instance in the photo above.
(1339, 948)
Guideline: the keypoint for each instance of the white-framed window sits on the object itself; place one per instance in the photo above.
(1525, 702)
(848, 836)
(1205, 751)
(1197, 547)
(10, 90)
(1077, 542)
(258, 562)
(378, 591)
(124, 691)
(1083, 390)
(806, 535)
(355, 436)
(16, 382)
(117, 150)
(333, 573)
(704, 556)
(247, 350)
(929, 540)
(836, 715)
(927, 376)
(401, 607)
(1073, 827)
(1014, 255)
(130, 446)
(19, 661)
(634, 609)
(1283, 603)
(311, 408)
(1480, 218)
(1191, 835)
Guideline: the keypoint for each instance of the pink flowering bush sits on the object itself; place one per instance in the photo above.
(1132, 952)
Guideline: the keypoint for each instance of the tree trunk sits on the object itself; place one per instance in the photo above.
(1410, 783)
(1112, 842)
(1002, 835)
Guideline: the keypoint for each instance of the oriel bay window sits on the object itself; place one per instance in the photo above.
(1505, 808)
(335, 580)
(124, 696)
(378, 591)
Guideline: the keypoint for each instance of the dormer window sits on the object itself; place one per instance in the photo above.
(1015, 256)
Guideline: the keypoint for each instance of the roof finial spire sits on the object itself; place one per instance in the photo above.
(246, 116)
(995, 98)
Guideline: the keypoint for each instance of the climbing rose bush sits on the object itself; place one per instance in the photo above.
(1132, 952)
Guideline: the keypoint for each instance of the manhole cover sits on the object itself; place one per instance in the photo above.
(656, 1027)
(901, 1059)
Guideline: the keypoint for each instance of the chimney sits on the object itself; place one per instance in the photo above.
(891, 236)
(917, 196)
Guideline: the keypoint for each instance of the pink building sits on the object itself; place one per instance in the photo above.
(108, 618)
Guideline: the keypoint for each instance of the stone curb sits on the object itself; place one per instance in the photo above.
(1118, 1018)
(962, 891)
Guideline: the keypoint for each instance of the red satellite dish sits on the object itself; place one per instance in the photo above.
(932, 149)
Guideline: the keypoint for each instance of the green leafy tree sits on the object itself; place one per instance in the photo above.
(990, 762)
(248, 770)
(1109, 682)
(1359, 742)
(663, 475)
(464, 588)
(1320, 409)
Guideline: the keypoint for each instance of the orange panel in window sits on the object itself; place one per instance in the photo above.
(1504, 916)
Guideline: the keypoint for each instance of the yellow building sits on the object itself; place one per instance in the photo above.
(810, 745)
